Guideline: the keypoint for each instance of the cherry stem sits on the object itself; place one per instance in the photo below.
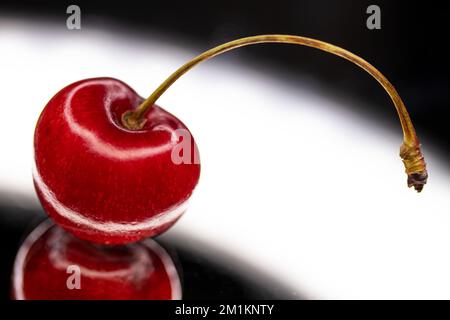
(410, 149)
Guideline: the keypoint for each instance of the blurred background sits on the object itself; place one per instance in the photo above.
(269, 121)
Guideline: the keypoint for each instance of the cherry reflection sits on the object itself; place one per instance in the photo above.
(53, 264)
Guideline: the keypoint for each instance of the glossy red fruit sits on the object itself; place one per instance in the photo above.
(101, 181)
(52, 264)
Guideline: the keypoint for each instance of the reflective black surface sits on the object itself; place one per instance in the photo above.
(204, 275)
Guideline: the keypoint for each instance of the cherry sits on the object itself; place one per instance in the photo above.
(102, 181)
(52, 264)
(104, 156)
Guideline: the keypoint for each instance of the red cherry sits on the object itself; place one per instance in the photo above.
(52, 264)
(102, 181)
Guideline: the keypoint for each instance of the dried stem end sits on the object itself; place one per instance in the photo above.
(415, 165)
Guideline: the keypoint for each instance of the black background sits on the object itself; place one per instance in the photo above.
(409, 49)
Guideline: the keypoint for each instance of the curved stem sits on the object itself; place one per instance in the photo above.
(410, 149)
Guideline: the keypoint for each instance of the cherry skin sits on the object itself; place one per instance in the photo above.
(52, 265)
(101, 181)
